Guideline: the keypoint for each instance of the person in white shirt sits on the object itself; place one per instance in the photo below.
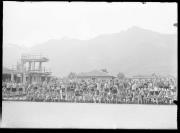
(134, 86)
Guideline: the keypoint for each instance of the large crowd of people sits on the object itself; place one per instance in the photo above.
(129, 91)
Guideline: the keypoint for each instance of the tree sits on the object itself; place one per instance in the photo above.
(72, 75)
(154, 75)
(175, 25)
(121, 75)
(104, 70)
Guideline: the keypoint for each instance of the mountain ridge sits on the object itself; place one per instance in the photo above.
(135, 50)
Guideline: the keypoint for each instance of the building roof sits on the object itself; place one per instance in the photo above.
(94, 73)
(142, 76)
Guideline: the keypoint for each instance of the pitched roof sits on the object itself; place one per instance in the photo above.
(142, 76)
(94, 73)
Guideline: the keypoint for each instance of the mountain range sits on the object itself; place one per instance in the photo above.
(133, 51)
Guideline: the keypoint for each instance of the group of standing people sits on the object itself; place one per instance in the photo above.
(130, 91)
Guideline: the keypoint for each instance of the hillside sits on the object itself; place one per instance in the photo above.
(134, 51)
(12, 54)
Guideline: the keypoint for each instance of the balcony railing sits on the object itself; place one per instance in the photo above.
(34, 57)
(43, 70)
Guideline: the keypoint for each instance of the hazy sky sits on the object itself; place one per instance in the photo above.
(29, 23)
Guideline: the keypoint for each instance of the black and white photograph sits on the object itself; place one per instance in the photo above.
(89, 65)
